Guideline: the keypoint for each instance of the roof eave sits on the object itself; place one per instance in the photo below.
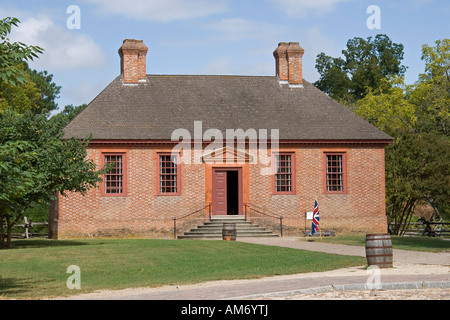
(95, 142)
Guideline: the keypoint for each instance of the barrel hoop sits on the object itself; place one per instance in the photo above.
(379, 255)
(379, 237)
(378, 247)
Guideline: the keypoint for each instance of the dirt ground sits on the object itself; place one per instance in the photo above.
(410, 294)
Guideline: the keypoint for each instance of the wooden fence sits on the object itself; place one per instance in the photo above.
(430, 229)
(28, 232)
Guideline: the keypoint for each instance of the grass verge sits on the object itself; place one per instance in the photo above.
(398, 242)
(37, 268)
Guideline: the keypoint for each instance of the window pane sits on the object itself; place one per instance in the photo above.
(335, 173)
(168, 173)
(114, 178)
(283, 177)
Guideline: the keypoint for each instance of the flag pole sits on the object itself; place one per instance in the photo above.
(316, 223)
(320, 232)
(320, 228)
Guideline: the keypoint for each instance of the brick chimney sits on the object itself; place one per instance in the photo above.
(288, 59)
(281, 62)
(133, 61)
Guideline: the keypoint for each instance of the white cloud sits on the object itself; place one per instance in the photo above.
(226, 66)
(64, 49)
(258, 60)
(301, 8)
(241, 29)
(314, 42)
(163, 11)
(219, 66)
(81, 91)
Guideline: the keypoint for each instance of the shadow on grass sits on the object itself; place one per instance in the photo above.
(44, 243)
(11, 287)
(25, 287)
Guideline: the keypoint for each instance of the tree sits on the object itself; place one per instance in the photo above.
(70, 111)
(19, 85)
(366, 63)
(431, 93)
(36, 163)
(25, 96)
(332, 72)
(387, 107)
(14, 182)
(417, 171)
(417, 166)
(13, 54)
(48, 90)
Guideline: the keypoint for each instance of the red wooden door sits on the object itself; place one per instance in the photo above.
(219, 192)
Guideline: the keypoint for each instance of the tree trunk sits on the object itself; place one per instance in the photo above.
(8, 233)
(394, 217)
(9, 225)
(53, 218)
(2, 234)
(436, 211)
(401, 215)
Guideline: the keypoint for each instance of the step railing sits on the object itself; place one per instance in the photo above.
(187, 215)
(251, 207)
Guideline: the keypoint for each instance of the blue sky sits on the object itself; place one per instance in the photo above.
(210, 36)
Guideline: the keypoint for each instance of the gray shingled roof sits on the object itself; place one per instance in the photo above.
(154, 109)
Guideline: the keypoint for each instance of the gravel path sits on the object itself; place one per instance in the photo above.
(400, 256)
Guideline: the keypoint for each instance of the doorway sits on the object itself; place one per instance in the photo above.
(232, 193)
(227, 191)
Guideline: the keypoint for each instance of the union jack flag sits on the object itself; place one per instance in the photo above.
(315, 220)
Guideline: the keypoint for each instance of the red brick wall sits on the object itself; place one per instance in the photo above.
(143, 213)
(360, 209)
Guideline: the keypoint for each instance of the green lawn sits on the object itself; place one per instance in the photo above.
(398, 242)
(37, 268)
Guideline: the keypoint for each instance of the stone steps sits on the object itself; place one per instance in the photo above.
(213, 229)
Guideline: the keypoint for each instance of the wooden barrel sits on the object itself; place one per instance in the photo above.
(379, 250)
(229, 231)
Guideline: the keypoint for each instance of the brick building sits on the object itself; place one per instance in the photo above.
(224, 145)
